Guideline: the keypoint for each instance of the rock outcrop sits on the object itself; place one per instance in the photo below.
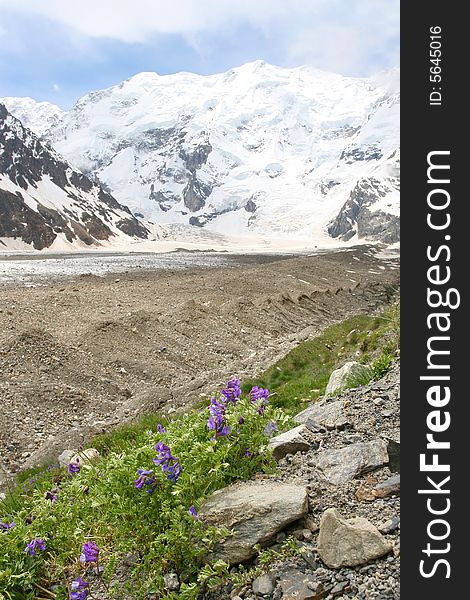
(255, 512)
(341, 465)
(349, 375)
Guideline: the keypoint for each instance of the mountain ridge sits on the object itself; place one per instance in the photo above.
(259, 149)
(44, 201)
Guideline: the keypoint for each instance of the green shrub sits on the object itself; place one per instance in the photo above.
(102, 504)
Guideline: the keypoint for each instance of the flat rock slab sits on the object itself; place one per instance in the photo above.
(299, 586)
(329, 415)
(351, 461)
(349, 375)
(255, 511)
(349, 542)
(290, 442)
(388, 488)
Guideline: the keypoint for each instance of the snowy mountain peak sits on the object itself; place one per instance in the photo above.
(258, 149)
(40, 117)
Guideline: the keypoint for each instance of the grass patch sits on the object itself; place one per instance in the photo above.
(302, 375)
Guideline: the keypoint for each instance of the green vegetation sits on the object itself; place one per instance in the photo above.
(150, 515)
(302, 375)
(145, 523)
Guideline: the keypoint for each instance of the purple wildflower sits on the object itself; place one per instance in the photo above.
(145, 478)
(90, 552)
(6, 526)
(257, 394)
(160, 428)
(74, 467)
(248, 453)
(36, 544)
(78, 589)
(167, 462)
(232, 390)
(216, 420)
(193, 512)
(241, 421)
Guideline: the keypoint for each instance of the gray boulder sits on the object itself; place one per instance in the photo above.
(255, 511)
(349, 542)
(351, 374)
(326, 414)
(66, 457)
(290, 442)
(351, 461)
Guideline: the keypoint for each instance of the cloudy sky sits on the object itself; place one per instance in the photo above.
(58, 50)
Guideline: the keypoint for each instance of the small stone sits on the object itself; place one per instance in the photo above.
(349, 542)
(66, 457)
(290, 442)
(311, 524)
(329, 415)
(338, 589)
(339, 466)
(309, 558)
(280, 537)
(264, 584)
(277, 595)
(364, 494)
(171, 582)
(296, 585)
(389, 525)
(86, 456)
(307, 535)
(351, 374)
(388, 488)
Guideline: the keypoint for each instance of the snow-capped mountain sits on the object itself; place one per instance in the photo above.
(40, 117)
(259, 149)
(44, 202)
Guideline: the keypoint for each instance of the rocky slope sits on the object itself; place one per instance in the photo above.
(345, 457)
(257, 149)
(44, 202)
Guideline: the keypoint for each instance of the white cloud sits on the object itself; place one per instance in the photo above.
(134, 20)
(56, 87)
(330, 34)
